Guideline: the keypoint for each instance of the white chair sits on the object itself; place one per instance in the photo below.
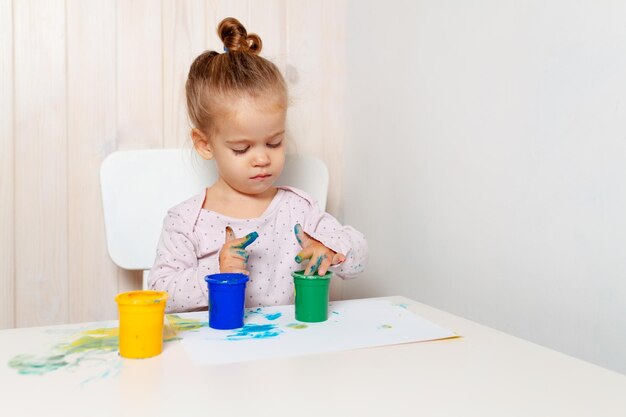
(139, 186)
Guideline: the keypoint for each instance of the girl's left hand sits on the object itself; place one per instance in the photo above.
(320, 257)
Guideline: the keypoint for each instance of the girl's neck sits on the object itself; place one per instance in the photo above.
(223, 199)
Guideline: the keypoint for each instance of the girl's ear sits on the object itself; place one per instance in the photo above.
(201, 143)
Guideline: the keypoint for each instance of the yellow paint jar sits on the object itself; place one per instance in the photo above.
(141, 323)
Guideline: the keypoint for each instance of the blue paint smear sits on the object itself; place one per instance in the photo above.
(273, 316)
(317, 265)
(268, 316)
(255, 331)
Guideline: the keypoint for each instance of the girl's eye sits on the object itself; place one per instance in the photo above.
(241, 151)
(274, 145)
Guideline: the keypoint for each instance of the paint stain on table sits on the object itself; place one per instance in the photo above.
(94, 346)
(67, 354)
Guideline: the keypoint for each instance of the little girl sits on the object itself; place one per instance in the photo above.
(237, 103)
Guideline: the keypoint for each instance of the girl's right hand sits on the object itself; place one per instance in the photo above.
(233, 255)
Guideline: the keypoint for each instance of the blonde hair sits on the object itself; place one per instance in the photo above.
(216, 78)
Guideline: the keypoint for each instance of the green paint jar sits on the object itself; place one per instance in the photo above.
(311, 296)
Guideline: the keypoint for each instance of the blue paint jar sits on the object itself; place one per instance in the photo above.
(227, 296)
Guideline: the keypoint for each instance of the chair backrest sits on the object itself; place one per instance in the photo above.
(139, 186)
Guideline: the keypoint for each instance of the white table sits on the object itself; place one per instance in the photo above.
(483, 373)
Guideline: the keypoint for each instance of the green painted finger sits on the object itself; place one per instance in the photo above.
(304, 254)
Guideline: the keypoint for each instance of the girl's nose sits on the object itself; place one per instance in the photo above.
(261, 159)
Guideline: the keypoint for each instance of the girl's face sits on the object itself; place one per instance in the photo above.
(249, 145)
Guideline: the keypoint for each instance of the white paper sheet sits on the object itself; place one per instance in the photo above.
(271, 332)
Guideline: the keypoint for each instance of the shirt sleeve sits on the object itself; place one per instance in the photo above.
(346, 240)
(176, 268)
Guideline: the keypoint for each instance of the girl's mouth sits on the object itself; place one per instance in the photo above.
(261, 177)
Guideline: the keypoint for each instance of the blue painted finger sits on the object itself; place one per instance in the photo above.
(316, 265)
(298, 231)
(249, 238)
(240, 252)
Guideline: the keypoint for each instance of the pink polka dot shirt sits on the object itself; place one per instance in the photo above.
(192, 237)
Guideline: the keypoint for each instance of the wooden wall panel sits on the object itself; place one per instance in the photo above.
(303, 75)
(139, 75)
(268, 19)
(315, 71)
(7, 273)
(86, 78)
(184, 38)
(40, 163)
(332, 84)
(91, 136)
(139, 87)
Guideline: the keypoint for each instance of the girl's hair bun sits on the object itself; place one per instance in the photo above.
(235, 37)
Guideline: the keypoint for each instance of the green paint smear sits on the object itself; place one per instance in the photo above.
(297, 326)
(179, 324)
(32, 365)
(102, 340)
(106, 339)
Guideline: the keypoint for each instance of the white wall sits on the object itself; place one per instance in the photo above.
(486, 162)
